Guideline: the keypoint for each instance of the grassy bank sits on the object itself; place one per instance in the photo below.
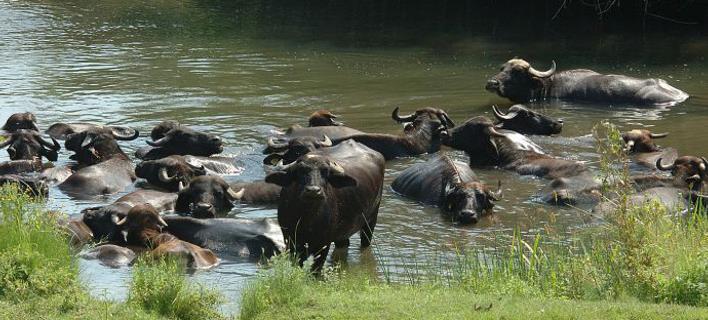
(39, 275)
(643, 262)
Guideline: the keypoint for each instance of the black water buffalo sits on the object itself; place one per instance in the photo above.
(88, 150)
(17, 121)
(109, 170)
(328, 195)
(423, 135)
(171, 138)
(25, 144)
(143, 226)
(205, 196)
(322, 118)
(450, 185)
(287, 152)
(21, 166)
(31, 185)
(169, 173)
(519, 82)
(62, 131)
(526, 121)
(258, 192)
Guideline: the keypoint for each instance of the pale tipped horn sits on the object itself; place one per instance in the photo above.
(54, 146)
(164, 177)
(7, 142)
(235, 195)
(119, 136)
(500, 115)
(180, 185)
(161, 221)
(629, 145)
(158, 142)
(276, 145)
(704, 165)
(87, 141)
(543, 74)
(497, 195)
(283, 167)
(494, 133)
(658, 135)
(336, 168)
(122, 221)
(399, 118)
(662, 167)
(326, 142)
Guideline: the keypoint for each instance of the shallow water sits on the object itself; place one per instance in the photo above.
(136, 64)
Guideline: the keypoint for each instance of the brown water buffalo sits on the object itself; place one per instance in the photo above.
(322, 118)
(25, 144)
(143, 226)
(287, 152)
(692, 170)
(17, 121)
(526, 121)
(450, 185)
(170, 173)
(109, 170)
(519, 82)
(86, 149)
(639, 143)
(175, 139)
(62, 131)
(205, 196)
(421, 136)
(258, 192)
(329, 195)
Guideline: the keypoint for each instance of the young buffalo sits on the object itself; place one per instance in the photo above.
(450, 185)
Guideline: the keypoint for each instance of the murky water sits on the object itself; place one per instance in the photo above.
(136, 64)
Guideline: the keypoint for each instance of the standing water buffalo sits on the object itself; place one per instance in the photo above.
(169, 173)
(25, 144)
(171, 138)
(526, 121)
(205, 196)
(109, 171)
(17, 121)
(329, 195)
(519, 82)
(450, 185)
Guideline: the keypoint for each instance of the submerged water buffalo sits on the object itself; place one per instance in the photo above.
(17, 121)
(422, 135)
(32, 185)
(170, 173)
(109, 169)
(258, 192)
(519, 82)
(171, 138)
(322, 118)
(639, 143)
(143, 226)
(205, 196)
(450, 185)
(693, 170)
(25, 144)
(62, 131)
(21, 166)
(290, 151)
(89, 149)
(329, 195)
(526, 121)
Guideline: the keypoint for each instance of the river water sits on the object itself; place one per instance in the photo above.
(136, 64)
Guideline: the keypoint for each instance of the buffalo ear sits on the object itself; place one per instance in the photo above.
(342, 180)
(280, 178)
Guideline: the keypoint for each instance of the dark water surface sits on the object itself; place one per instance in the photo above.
(136, 64)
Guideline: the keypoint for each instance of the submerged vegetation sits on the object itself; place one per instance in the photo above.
(632, 265)
(39, 274)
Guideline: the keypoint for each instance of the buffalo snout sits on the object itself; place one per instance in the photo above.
(468, 217)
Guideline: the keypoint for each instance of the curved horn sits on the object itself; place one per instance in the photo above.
(494, 133)
(398, 118)
(180, 185)
(500, 115)
(200, 169)
(326, 142)
(543, 74)
(34, 126)
(7, 142)
(283, 167)
(120, 136)
(704, 165)
(662, 167)
(336, 168)
(658, 135)
(276, 145)
(54, 146)
(235, 195)
(163, 176)
(158, 142)
(87, 141)
(449, 121)
(629, 145)
(497, 195)
(121, 221)
(161, 221)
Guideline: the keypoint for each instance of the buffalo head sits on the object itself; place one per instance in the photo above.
(323, 118)
(641, 140)
(25, 144)
(95, 145)
(526, 121)
(140, 224)
(102, 221)
(17, 121)
(205, 196)
(424, 115)
(689, 169)
(311, 176)
(476, 138)
(518, 81)
(169, 173)
(182, 140)
(467, 202)
(290, 151)
(33, 186)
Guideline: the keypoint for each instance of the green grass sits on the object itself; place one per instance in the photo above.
(39, 275)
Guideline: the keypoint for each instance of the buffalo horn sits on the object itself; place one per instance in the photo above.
(336, 168)
(326, 142)
(34, 126)
(121, 221)
(500, 115)
(275, 145)
(494, 133)
(180, 185)
(161, 221)
(659, 135)
(87, 141)
(158, 142)
(543, 74)
(450, 123)
(662, 167)
(398, 118)
(164, 177)
(629, 145)
(119, 136)
(54, 146)
(283, 167)
(235, 195)
(497, 195)
(704, 165)
(7, 142)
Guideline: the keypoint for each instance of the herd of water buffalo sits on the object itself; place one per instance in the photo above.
(327, 179)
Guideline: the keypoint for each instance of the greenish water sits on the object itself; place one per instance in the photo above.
(136, 64)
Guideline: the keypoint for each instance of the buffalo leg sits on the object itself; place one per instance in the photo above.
(320, 258)
(341, 243)
(367, 232)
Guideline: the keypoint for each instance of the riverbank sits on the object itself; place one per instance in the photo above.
(39, 275)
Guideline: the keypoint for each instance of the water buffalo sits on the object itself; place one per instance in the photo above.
(639, 143)
(174, 139)
(21, 166)
(87, 149)
(329, 195)
(169, 173)
(17, 121)
(526, 121)
(423, 135)
(25, 144)
(32, 185)
(258, 192)
(450, 185)
(109, 171)
(143, 226)
(110, 255)
(287, 152)
(205, 196)
(62, 131)
(322, 118)
(519, 82)
(693, 170)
